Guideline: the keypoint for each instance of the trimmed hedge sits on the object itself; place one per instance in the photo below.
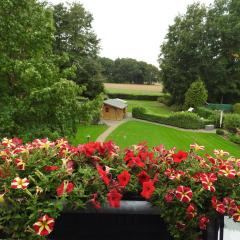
(236, 108)
(133, 97)
(212, 116)
(232, 122)
(185, 120)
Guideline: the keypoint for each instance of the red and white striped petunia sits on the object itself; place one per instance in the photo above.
(217, 205)
(220, 153)
(184, 194)
(207, 180)
(20, 164)
(44, 225)
(236, 215)
(203, 220)
(19, 183)
(227, 171)
(191, 211)
(196, 147)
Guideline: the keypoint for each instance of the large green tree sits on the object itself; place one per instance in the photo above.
(36, 97)
(76, 40)
(203, 43)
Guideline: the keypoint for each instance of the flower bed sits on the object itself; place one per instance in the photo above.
(39, 180)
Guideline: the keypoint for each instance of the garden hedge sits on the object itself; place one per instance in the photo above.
(133, 96)
(185, 120)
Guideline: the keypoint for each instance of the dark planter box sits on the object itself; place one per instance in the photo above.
(134, 220)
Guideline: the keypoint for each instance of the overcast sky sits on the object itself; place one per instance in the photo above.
(133, 28)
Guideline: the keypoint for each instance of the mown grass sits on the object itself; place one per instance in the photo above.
(87, 130)
(134, 132)
(152, 107)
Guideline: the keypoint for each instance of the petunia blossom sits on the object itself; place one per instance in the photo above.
(65, 187)
(184, 194)
(180, 156)
(148, 189)
(19, 183)
(44, 225)
(123, 178)
(114, 198)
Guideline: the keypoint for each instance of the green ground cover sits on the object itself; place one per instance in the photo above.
(152, 107)
(84, 130)
(134, 132)
(134, 92)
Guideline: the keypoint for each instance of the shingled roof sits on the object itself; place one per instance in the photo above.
(118, 103)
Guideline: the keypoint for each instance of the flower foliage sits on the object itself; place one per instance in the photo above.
(39, 180)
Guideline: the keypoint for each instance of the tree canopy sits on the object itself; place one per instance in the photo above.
(37, 98)
(128, 70)
(205, 43)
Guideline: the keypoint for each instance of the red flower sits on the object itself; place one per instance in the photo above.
(65, 187)
(236, 215)
(114, 198)
(94, 201)
(103, 175)
(20, 164)
(180, 156)
(230, 205)
(19, 183)
(148, 189)
(123, 178)
(143, 177)
(44, 225)
(217, 205)
(227, 171)
(191, 211)
(184, 194)
(50, 168)
(203, 222)
(169, 196)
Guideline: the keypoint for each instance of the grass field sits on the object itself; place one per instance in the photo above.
(84, 130)
(134, 132)
(135, 89)
(152, 107)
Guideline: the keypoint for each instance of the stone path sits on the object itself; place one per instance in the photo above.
(114, 124)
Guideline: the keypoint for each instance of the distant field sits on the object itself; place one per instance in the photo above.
(134, 132)
(152, 107)
(93, 131)
(137, 89)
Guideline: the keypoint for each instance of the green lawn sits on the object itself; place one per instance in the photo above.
(134, 92)
(134, 132)
(84, 130)
(152, 107)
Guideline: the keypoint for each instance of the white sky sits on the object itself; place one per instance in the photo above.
(133, 28)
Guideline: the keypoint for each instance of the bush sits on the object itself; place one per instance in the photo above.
(133, 97)
(196, 95)
(185, 120)
(165, 99)
(231, 122)
(204, 112)
(136, 111)
(236, 108)
(234, 138)
(220, 132)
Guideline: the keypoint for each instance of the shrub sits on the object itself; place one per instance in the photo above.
(236, 108)
(196, 95)
(133, 96)
(136, 111)
(180, 119)
(234, 138)
(204, 112)
(220, 132)
(165, 99)
(231, 122)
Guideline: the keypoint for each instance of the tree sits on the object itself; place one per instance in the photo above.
(75, 39)
(204, 43)
(38, 97)
(127, 70)
(196, 95)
